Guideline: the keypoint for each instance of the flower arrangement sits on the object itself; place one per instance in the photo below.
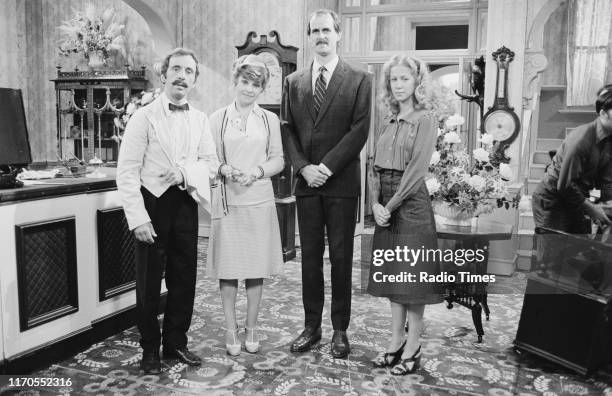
(89, 34)
(124, 115)
(467, 187)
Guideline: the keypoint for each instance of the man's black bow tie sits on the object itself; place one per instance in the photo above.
(173, 107)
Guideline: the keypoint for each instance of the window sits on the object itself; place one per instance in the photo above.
(351, 35)
(390, 32)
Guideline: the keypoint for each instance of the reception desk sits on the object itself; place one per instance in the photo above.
(67, 267)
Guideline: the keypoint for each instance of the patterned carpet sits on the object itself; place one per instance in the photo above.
(453, 364)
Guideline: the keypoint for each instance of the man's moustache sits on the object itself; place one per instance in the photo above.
(181, 83)
(321, 41)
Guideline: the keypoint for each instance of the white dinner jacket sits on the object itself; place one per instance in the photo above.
(147, 151)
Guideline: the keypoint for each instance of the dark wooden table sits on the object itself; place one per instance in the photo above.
(469, 294)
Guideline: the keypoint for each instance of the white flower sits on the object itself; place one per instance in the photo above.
(435, 158)
(131, 108)
(505, 171)
(440, 131)
(477, 182)
(452, 137)
(457, 170)
(499, 187)
(481, 155)
(486, 138)
(454, 121)
(433, 185)
(147, 97)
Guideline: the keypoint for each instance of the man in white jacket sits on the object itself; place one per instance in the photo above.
(166, 158)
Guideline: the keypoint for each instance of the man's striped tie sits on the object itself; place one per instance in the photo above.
(320, 87)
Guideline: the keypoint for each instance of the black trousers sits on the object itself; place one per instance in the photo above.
(338, 216)
(174, 216)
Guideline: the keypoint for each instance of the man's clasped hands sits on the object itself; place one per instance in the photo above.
(315, 175)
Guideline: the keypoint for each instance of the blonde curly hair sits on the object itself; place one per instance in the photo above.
(423, 87)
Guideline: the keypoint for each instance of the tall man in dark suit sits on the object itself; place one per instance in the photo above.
(325, 116)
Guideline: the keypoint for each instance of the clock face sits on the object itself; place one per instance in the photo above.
(501, 124)
(272, 93)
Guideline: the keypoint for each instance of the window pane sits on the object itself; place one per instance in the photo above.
(351, 3)
(482, 24)
(448, 76)
(390, 33)
(441, 37)
(351, 34)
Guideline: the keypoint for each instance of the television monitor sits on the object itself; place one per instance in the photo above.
(14, 141)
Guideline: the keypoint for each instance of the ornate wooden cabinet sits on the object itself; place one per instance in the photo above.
(87, 104)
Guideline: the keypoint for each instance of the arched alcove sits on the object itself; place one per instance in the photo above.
(163, 36)
(536, 59)
(535, 38)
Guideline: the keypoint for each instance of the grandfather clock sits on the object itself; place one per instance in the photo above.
(281, 61)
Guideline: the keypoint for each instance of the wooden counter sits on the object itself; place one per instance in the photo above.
(59, 186)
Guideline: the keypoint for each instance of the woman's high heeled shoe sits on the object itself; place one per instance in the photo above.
(382, 360)
(251, 342)
(408, 366)
(233, 348)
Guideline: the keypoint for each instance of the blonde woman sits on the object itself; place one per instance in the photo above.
(245, 244)
(401, 206)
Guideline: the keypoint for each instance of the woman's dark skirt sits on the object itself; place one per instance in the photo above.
(413, 226)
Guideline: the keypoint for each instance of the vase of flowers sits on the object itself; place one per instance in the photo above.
(96, 60)
(461, 187)
(450, 214)
(93, 36)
